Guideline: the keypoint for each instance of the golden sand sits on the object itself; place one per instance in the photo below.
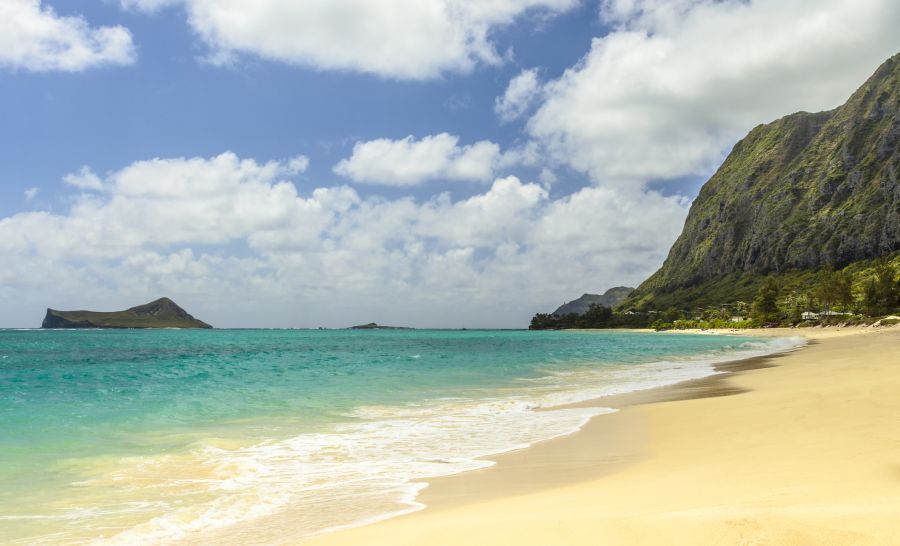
(803, 451)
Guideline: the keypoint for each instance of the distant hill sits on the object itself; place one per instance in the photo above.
(610, 298)
(162, 313)
(804, 192)
(374, 326)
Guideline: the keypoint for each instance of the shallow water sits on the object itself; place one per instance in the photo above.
(268, 436)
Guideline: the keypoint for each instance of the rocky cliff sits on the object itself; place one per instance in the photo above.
(162, 313)
(803, 192)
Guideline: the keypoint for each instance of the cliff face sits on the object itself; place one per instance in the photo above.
(803, 192)
(610, 298)
(162, 313)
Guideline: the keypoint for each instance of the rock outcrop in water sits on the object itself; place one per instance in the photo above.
(162, 313)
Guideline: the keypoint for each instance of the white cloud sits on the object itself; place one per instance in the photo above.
(196, 200)
(407, 161)
(31, 193)
(215, 231)
(150, 6)
(548, 177)
(410, 39)
(677, 83)
(528, 154)
(84, 179)
(520, 95)
(298, 164)
(35, 38)
(501, 215)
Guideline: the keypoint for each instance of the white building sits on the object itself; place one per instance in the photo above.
(809, 315)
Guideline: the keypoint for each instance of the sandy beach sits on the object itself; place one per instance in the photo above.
(802, 448)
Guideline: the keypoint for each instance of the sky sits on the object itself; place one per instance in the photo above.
(429, 163)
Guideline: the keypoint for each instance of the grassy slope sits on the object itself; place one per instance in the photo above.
(124, 319)
(742, 286)
(162, 313)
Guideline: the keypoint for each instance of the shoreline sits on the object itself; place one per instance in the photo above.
(605, 450)
(605, 441)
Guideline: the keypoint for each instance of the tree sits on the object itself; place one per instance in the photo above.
(597, 316)
(833, 288)
(825, 289)
(881, 293)
(670, 315)
(870, 302)
(543, 321)
(765, 306)
(795, 306)
(843, 289)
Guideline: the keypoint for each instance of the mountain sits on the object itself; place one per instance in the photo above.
(162, 313)
(801, 193)
(610, 298)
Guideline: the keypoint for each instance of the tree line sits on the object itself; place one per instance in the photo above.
(877, 295)
(833, 296)
(597, 316)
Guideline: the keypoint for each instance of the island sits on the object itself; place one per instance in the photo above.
(161, 313)
(374, 326)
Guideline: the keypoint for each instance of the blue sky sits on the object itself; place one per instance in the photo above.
(169, 104)
(429, 163)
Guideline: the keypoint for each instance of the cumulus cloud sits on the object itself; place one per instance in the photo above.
(298, 164)
(219, 230)
(675, 84)
(84, 179)
(520, 95)
(150, 6)
(408, 161)
(392, 38)
(548, 177)
(31, 193)
(35, 38)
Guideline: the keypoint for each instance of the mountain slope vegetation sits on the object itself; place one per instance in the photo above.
(807, 192)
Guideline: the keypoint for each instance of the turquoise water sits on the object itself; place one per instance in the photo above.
(265, 436)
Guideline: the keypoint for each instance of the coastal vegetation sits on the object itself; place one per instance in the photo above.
(863, 293)
(597, 316)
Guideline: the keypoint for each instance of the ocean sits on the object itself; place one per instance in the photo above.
(272, 436)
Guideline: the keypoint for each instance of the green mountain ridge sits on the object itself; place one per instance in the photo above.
(161, 313)
(805, 192)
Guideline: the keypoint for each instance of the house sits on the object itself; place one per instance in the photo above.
(809, 315)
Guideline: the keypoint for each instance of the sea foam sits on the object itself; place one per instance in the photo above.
(242, 437)
(374, 466)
